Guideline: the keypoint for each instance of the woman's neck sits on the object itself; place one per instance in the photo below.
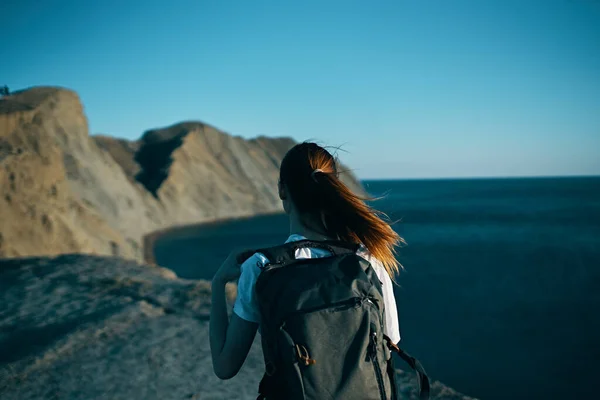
(310, 229)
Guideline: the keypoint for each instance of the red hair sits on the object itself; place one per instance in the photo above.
(310, 175)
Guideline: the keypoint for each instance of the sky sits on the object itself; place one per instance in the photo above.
(408, 89)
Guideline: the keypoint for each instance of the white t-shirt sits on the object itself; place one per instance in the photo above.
(246, 306)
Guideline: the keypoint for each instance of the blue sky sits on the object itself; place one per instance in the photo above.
(427, 88)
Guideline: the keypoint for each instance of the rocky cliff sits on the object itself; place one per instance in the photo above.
(63, 190)
(47, 162)
(88, 327)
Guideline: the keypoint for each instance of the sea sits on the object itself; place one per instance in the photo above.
(500, 292)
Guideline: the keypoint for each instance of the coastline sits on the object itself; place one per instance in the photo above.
(149, 240)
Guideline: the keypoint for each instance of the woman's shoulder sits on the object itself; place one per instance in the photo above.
(250, 269)
(377, 266)
(256, 260)
(366, 254)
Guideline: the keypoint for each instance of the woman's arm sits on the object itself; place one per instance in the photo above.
(230, 341)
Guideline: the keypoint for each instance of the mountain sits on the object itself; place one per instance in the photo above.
(64, 191)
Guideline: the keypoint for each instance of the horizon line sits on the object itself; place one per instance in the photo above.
(498, 177)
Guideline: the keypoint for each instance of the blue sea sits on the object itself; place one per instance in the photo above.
(500, 293)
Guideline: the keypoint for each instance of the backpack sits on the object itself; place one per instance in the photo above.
(322, 322)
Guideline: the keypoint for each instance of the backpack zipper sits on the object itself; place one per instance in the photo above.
(374, 358)
(375, 361)
(353, 302)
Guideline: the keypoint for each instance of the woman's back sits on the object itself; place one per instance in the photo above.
(246, 306)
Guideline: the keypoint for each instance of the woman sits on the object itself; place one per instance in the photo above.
(320, 207)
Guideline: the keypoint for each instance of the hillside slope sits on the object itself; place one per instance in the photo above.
(65, 191)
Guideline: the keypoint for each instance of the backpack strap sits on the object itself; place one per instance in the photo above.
(424, 386)
(286, 253)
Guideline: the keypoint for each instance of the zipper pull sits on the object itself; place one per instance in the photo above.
(302, 354)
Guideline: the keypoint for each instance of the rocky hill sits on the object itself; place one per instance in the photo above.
(88, 327)
(64, 191)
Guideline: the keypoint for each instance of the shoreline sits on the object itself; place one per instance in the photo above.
(149, 240)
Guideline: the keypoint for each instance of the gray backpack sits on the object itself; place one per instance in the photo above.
(322, 323)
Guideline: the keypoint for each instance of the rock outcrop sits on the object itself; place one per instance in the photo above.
(88, 327)
(65, 191)
(47, 163)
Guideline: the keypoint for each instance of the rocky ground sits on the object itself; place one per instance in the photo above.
(91, 327)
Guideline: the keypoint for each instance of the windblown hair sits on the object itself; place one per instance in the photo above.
(310, 175)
